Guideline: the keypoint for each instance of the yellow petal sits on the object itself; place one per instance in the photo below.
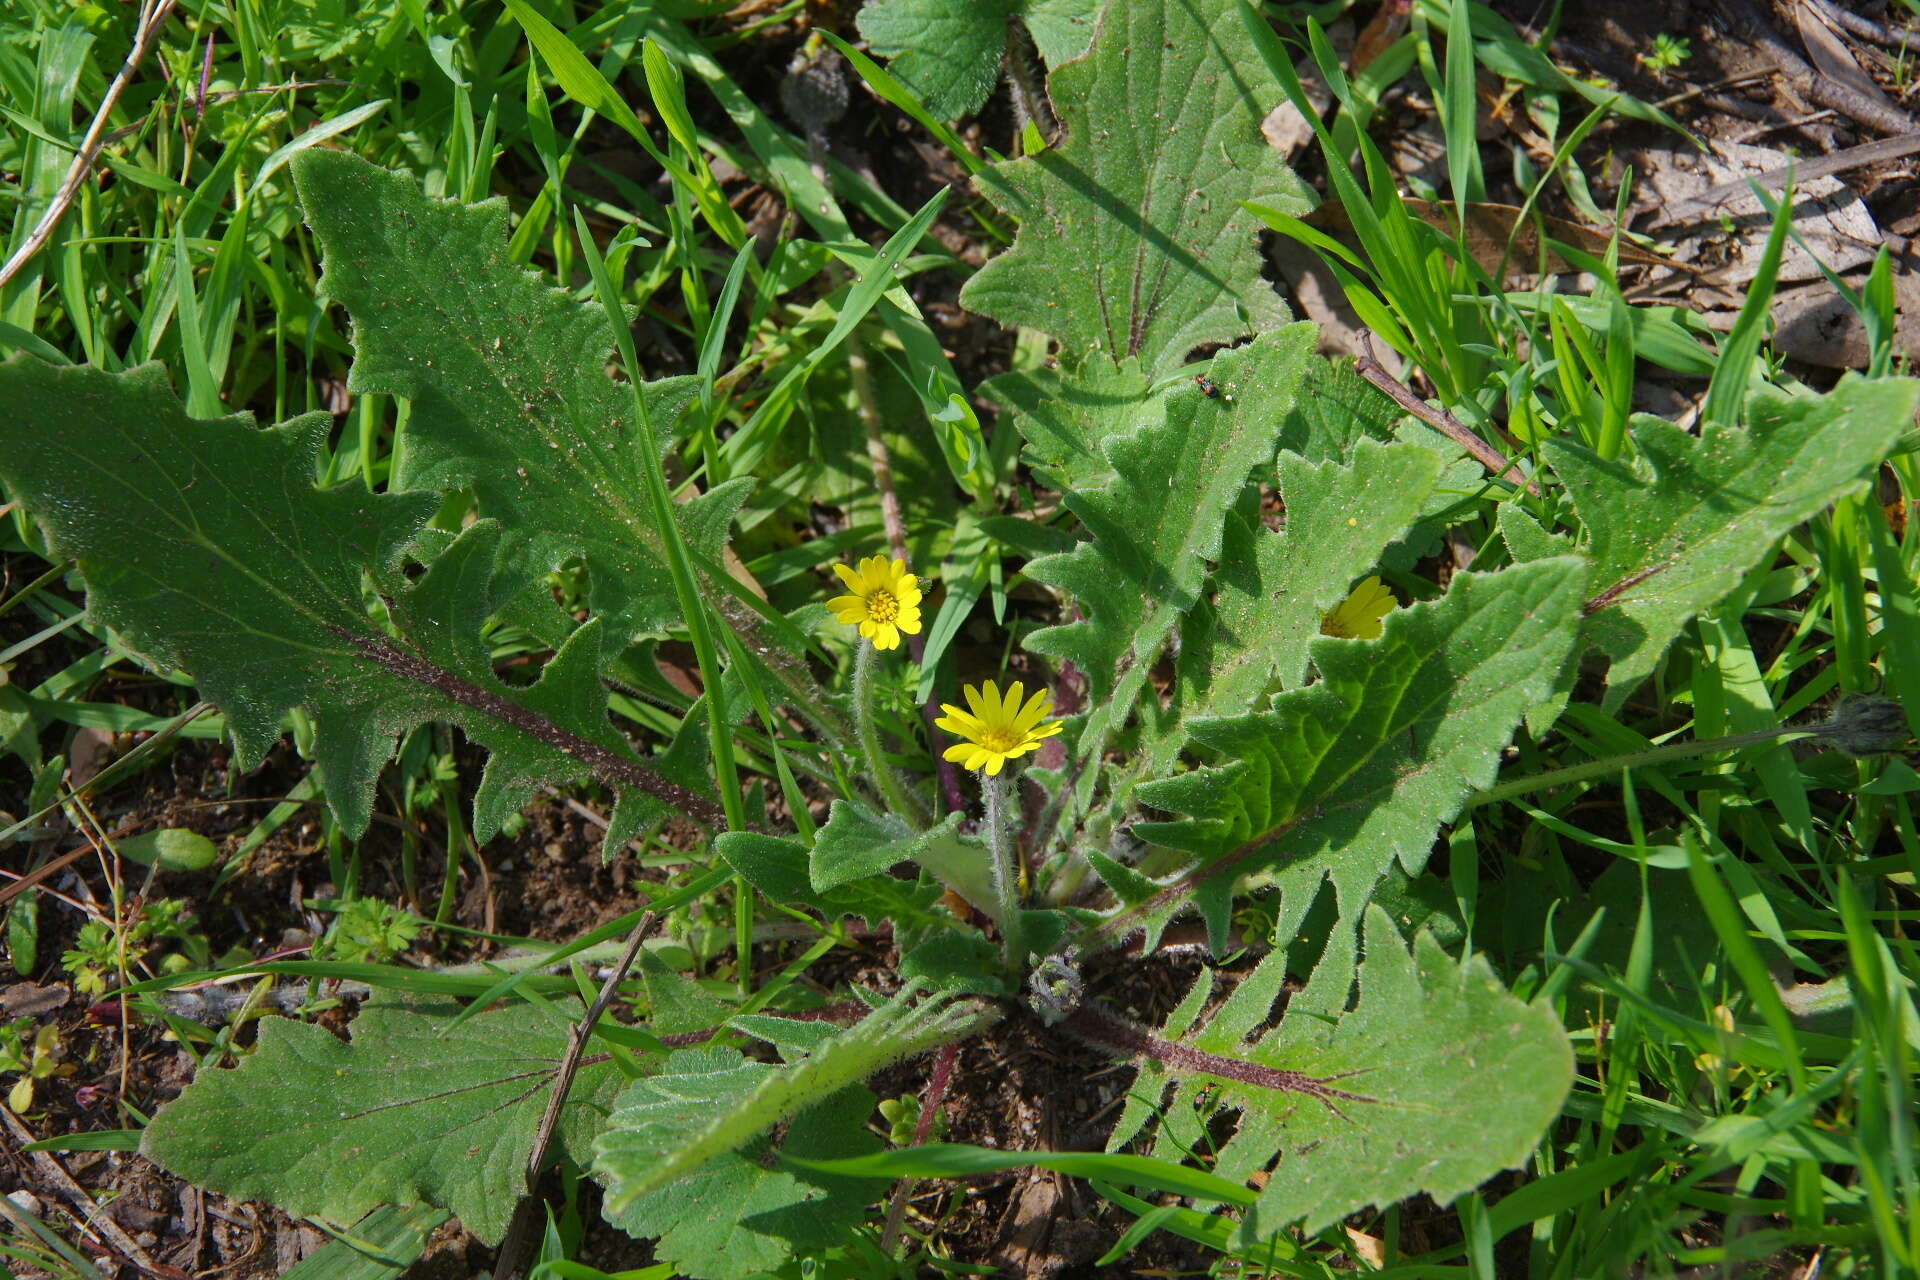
(998, 703)
(974, 702)
(1010, 707)
(848, 576)
(869, 627)
(908, 595)
(959, 752)
(908, 621)
(889, 637)
(1033, 713)
(993, 765)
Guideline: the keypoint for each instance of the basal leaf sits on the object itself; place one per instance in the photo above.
(857, 843)
(779, 868)
(1274, 588)
(666, 1127)
(1674, 531)
(1361, 767)
(1158, 521)
(1132, 239)
(207, 546)
(744, 1213)
(204, 544)
(509, 385)
(410, 1111)
(1066, 417)
(1335, 410)
(1431, 1080)
(949, 51)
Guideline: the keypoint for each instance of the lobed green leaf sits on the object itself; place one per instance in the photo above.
(1438, 1078)
(1361, 767)
(1158, 521)
(1673, 531)
(1133, 240)
(207, 546)
(411, 1110)
(949, 51)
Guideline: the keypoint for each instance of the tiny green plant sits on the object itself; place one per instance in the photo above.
(32, 1053)
(1668, 52)
(369, 929)
(1236, 681)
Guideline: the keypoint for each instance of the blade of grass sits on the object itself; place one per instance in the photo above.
(1727, 392)
(693, 609)
(1730, 927)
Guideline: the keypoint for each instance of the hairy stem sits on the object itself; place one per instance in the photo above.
(1632, 760)
(1006, 877)
(884, 775)
(930, 1103)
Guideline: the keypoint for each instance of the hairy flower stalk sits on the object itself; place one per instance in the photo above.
(1859, 726)
(884, 775)
(994, 730)
(1006, 877)
(882, 603)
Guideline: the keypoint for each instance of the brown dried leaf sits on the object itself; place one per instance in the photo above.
(1833, 59)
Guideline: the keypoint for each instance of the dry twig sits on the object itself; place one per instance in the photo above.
(1752, 26)
(513, 1247)
(153, 13)
(1369, 367)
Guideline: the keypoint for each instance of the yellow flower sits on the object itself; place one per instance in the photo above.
(1358, 616)
(884, 603)
(997, 729)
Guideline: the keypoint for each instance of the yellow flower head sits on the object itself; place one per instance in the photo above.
(885, 600)
(1358, 616)
(997, 729)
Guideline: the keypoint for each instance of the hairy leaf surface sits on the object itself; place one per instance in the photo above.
(1361, 767)
(1273, 588)
(667, 1126)
(509, 384)
(1132, 238)
(1066, 416)
(781, 869)
(743, 1213)
(1452, 1080)
(410, 1111)
(858, 842)
(1693, 514)
(949, 51)
(207, 546)
(1157, 523)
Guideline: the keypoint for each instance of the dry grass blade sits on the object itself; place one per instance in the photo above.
(153, 15)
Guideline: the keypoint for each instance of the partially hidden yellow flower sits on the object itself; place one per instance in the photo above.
(1358, 616)
(885, 600)
(997, 729)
